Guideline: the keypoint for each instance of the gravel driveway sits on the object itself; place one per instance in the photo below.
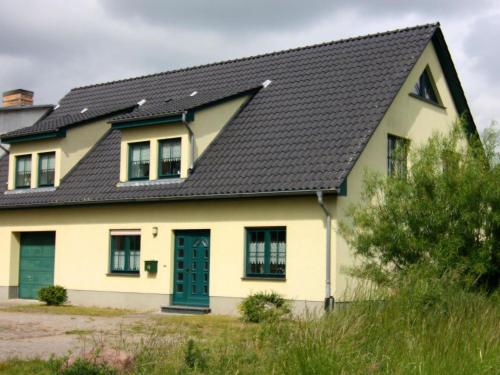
(28, 335)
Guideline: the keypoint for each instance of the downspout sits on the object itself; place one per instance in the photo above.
(191, 142)
(329, 300)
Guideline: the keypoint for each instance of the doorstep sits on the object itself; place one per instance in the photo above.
(180, 309)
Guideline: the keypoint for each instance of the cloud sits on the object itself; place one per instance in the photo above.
(223, 15)
(261, 16)
(54, 45)
(484, 59)
(433, 8)
(480, 47)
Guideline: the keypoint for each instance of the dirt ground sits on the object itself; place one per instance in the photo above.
(28, 335)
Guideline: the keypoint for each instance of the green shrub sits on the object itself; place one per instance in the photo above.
(442, 217)
(263, 306)
(85, 367)
(53, 295)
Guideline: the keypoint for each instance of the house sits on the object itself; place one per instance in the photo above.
(18, 111)
(193, 188)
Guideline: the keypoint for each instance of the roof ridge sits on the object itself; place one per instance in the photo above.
(280, 52)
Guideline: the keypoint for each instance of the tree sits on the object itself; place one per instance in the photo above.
(443, 214)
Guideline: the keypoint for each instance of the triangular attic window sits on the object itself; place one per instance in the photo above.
(425, 87)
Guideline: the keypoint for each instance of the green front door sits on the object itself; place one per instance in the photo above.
(191, 268)
(36, 263)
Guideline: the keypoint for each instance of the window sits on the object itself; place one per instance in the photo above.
(169, 163)
(46, 169)
(424, 87)
(397, 156)
(138, 167)
(23, 171)
(266, 252)
(125, 252)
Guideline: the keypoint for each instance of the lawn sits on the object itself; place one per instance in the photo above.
(19, 367)
(67, 310)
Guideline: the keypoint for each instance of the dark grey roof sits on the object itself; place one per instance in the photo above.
(193, 101)
(302, 133)
(59, 120)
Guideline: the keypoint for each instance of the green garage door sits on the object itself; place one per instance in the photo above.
(36, 264)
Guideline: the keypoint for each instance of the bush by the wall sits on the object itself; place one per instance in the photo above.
(53, 295)
(442, 216)
(264, 306)
(86, 367)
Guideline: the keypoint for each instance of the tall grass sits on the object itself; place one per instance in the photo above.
(425, 328)
(458, 335)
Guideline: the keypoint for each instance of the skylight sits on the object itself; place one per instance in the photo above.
(84, 110)
(194, 93)
(141, 102)
(425, 87)
(266, 83)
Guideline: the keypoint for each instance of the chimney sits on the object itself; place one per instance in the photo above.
(17, 98)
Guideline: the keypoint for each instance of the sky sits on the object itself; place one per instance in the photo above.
(51, 46)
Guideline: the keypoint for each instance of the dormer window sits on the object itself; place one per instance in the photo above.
(138, 167)
(169, 163)
(23, 172)
(424, 87)
(46, 169)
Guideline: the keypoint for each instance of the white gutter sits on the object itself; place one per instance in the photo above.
(329, 300)
(191, 142)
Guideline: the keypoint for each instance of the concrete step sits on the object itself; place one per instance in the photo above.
(180, 309)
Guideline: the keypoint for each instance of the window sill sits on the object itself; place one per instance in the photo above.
(426, 101)
(263, 278)
(169, 177)
(163, 181)
(124, 274)
(30, 190)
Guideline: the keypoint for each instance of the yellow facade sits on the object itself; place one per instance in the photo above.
(83, 233)
(407, 117)
(69, 150)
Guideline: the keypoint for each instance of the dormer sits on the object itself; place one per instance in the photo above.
(42, 154)
(162, 140)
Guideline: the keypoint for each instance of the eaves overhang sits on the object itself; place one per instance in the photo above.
(152, 120)
(453, 81)
(61, 133)
(177, 198)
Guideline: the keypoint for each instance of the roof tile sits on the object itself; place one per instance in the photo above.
(302, 133)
